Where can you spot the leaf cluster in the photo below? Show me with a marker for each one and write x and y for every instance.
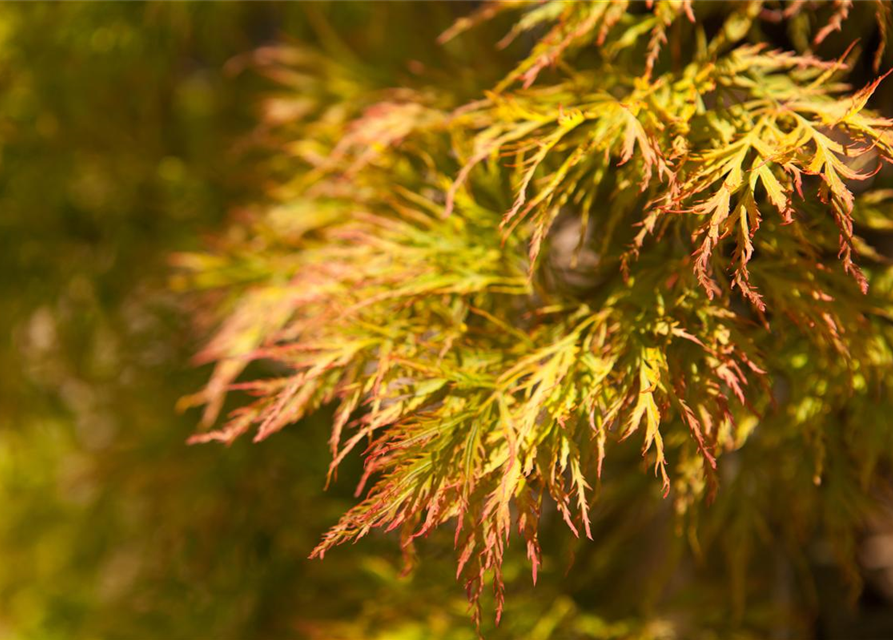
(648, 231)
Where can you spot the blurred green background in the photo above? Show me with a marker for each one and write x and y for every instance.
(125, 137)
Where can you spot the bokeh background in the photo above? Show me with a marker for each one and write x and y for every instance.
(128, 132)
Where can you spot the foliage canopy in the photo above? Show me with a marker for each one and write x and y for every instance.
(656, 228)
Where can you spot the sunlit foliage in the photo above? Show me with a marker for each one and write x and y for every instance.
(432, 336)
(655, 228)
